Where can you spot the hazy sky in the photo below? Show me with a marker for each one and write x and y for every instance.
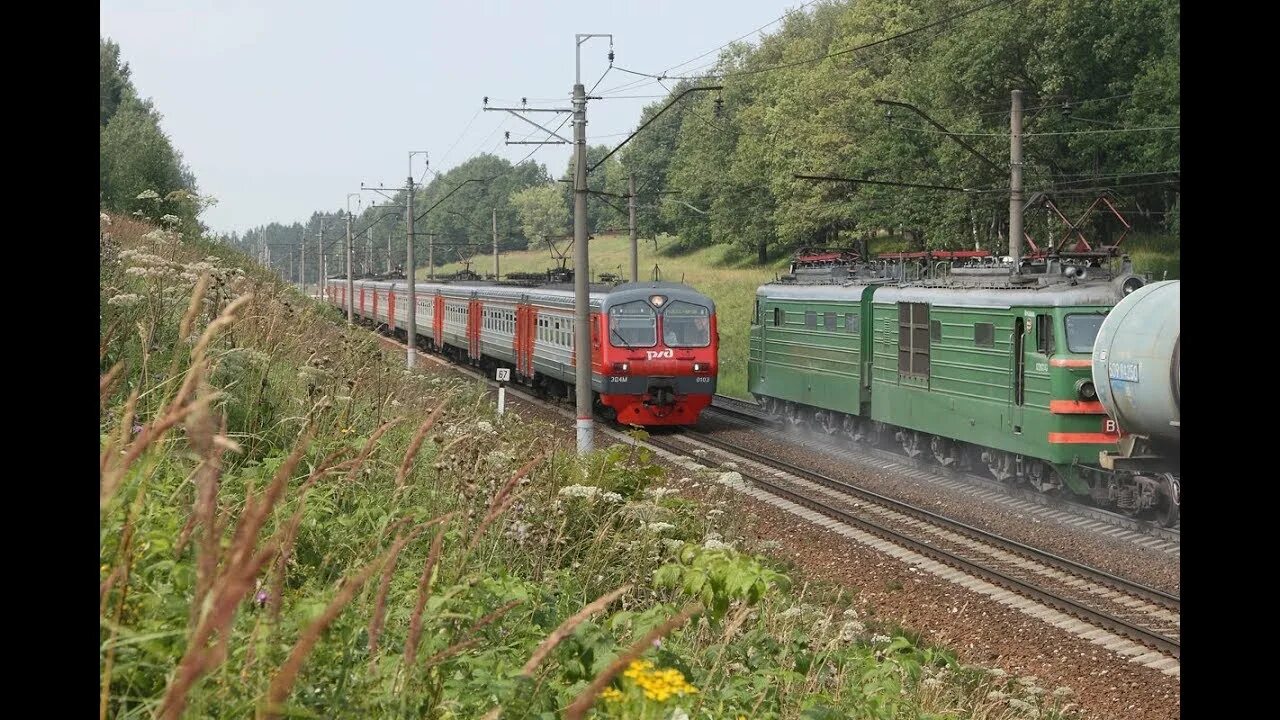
(240, 84)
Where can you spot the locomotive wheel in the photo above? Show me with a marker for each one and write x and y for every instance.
(1170, 501)
(944, 451)
(795, 414)
(851, 427)
(910, 440)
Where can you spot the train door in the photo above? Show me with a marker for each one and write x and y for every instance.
(1019, 373)
(437, 321)
(391, 308)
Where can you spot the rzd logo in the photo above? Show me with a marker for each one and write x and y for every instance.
(660, 353)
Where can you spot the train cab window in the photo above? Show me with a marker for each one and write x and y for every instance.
(1044, 334)
(984, 335)
(829, 321)
(1082, 330)
(913, 339)
(851, 322)
(935, 331)
(810, 319)
(777, 316)
(633, 324)
(756, 318)
(686, 325)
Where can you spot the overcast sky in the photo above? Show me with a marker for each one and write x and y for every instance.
(240, 83)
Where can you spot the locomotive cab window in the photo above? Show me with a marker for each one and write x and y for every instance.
(633, 324)
(913, 339)
(777, 316)
(686, 325)
(756, 318)
(1082, 330)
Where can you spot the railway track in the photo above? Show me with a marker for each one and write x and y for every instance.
(747, 414)
(1091, 599)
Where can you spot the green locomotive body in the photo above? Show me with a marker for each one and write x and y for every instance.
(975, 370)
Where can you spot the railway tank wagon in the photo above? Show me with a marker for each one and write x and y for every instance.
(1137, 369)
(969, 368)
(654, 345)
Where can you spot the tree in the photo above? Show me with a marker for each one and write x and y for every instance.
(543, 216)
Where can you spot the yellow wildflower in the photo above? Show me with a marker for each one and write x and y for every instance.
(611, 695)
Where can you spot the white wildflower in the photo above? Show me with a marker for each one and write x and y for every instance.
(660, 527)
(876, 639)
(995, 695)
(715, 512)
(996, 672)
(579, 491)
(123, 300)
(1024, 706)
(679, 714)
(851, 629)
(850, 613)
(729, 465)
(1063, 691)
(173, 219)
(700, 453)
(712, 544)
(1027, 680)
(932, 682)
(154, 235)
(484, 426)
(659, 492)
(136, 271)
(148, 195)
(672, 543)
(731, 478)
(611, 497)
(104, 218)
(791, 612)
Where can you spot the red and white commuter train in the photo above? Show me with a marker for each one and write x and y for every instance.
(654, 345)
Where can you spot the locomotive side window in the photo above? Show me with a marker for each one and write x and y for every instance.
(686, 325)
(777, 316)
(1044, 334)
(1082, 330)
(913, 339)
(851, 323)
(756, 319)
(829, 321)
(935, 331)
(810, 319)
(984, 335)
(633, 324)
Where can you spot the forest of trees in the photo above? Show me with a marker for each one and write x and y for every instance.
(136, 158)
(1100, 81)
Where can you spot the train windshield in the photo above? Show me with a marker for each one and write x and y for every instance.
(686, 325)
(1082, 330)
(633, 324)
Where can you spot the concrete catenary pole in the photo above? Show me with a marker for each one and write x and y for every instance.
(1015, 181)
(351, 283)
(411, 327)
(495, 243)
(581, 273)
(631, 208)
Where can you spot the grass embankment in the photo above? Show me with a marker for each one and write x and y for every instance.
(292, 524)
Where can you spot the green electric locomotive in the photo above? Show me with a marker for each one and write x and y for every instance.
(954, 357)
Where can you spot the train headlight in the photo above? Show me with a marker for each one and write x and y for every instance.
(701, 367)
(657, 300)
(621, 367)
(1086, 390)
